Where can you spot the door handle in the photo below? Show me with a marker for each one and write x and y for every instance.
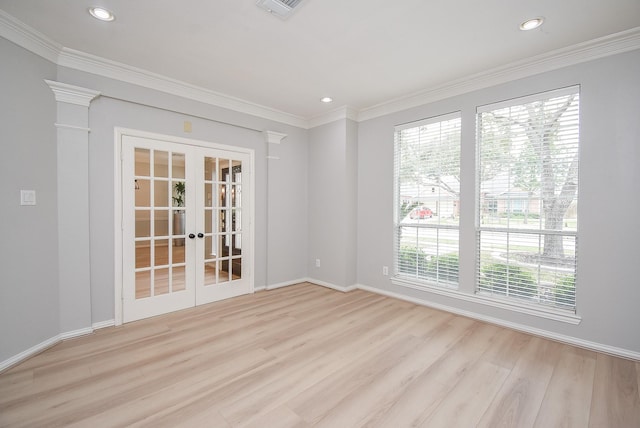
(191, 236)
(200, 235)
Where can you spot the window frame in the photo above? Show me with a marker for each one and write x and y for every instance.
(468, 236)
(418, 281)
(516, 302)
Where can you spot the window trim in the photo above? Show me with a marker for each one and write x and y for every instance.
(464, 291)
(396, 274)
(516, 304)
(547, 312)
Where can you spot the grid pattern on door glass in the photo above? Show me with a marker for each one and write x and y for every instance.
(223, 220)
(160, 212)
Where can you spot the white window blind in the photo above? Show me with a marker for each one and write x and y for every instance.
(427, 201)
(527, 198)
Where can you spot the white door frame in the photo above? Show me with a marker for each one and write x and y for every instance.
(118, 265)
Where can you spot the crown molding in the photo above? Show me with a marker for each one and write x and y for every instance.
(36, 42)
(89, 63)
(344, 112)
(624, 41)
(32, 40)
(24, 36)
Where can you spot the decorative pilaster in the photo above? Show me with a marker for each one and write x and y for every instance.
(272, 137)
(74, 264)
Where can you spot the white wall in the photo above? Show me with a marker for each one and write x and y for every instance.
(29, 311)
(608, 283)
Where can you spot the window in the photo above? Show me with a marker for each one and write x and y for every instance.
(527, 198)
(427, 200)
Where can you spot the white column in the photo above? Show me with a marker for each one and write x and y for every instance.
(272, 139)
(73, 206)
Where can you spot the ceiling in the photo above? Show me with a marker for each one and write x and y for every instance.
(362, 53)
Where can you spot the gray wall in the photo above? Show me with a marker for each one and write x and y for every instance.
(328, 196)
(333, 203)
(278, 190)
(287, 216)
(29, 310)
(608, 284)
(29, 293)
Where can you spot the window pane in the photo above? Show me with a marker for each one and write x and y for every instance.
(427, 171)
(528, 175)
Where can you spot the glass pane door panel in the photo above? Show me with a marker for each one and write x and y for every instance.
(210, 273)
(177, 252)
(143, 224)
(142, 187)
(161, 223)
(161, 250)
(178, 278)
(208, 221)
(161, 281)
(143, 254)
(210, 168)
(160, 189)
(161, 164)
(177, 165)
(208, 195)
(142, 159)
(143, 284)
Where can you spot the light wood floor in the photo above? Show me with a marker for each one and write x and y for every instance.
(309, 356)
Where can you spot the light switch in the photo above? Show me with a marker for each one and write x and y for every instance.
(27, 197)
(187, 126)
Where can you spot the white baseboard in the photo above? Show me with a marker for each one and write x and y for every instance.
(285, 284)
(17, 359)
(75, 333)
(34, 350)
(344, 289)
(103, 324)
(593, 346)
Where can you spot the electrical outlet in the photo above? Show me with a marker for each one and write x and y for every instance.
(385, 270)
(317, 262)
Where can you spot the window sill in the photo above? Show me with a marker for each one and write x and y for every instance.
(496, 302)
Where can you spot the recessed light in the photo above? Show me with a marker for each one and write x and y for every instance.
(531, 24)
(101, 13)
(326, 99)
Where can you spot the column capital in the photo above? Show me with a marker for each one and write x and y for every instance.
(71, 94)
(273, 137)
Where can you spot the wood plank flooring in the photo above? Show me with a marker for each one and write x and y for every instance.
(305, 356)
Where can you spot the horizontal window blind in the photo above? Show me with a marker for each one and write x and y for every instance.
(527, 198)
(427, 200)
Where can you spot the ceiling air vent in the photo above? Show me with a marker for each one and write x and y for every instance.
(280, 8)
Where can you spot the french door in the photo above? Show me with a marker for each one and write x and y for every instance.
(185, 221)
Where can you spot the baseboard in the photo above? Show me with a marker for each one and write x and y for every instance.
(344, 289)
(285, 284)
(103, 324)
(593, 346)
(34, 350)
(75, 333)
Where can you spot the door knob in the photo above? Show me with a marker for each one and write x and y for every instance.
(200, 235)
(191, 236)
